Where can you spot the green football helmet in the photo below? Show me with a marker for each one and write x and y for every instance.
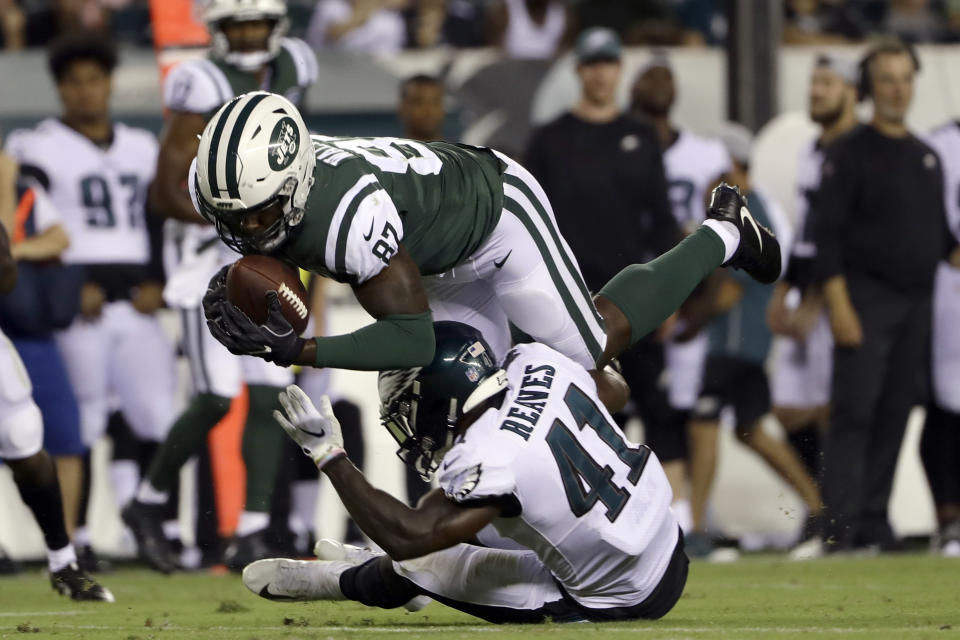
(420, 407)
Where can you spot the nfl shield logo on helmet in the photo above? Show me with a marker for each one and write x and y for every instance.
(472, 375)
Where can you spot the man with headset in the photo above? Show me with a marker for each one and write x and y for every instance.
(878, 225)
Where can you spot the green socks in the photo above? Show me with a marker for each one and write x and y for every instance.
(648, 293)
(186, 438)
(263, 440)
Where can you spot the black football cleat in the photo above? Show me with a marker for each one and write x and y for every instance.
(7, 565)
(74, 582)
(244, 550)
(759, 251)
(145, 521)
(91, 562)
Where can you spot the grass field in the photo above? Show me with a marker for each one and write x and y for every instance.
(910, 596)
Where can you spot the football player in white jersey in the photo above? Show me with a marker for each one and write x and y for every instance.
(940, 445)
(97, 171)
(248, 52)
(21, 433)
(693, 164)
(526, 447)
(803, 350)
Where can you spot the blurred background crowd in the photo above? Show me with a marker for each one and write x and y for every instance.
(390, 25)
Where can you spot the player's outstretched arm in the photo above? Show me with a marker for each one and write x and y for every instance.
(401, 337)
(437, 522)
(168, 196)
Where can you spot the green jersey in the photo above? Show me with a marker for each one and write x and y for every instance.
(440, 200)
(203, 86)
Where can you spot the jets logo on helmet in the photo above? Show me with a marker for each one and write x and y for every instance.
(250, 157)
(284, 144)
(217, 12)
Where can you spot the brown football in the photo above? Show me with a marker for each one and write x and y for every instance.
(251, 277)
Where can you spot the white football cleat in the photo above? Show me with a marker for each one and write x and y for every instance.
(327, 549)
(331, 550)
(295, 580)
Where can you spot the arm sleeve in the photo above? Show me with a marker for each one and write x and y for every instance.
(393, 342)
(471, 482)
(373, 234)
(834, 199)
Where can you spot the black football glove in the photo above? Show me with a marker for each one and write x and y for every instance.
(216, 293)
(275, 340)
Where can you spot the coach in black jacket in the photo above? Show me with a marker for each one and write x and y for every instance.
(603, 172)
(879, 230)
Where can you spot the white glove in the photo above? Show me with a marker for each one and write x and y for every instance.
(317, 432)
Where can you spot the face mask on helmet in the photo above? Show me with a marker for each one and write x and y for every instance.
(240, 235)
(424, 428)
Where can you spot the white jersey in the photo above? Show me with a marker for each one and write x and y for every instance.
(525, 38)
(200, 86)
(692, 163)
(945, 140)
(594, 507)
(946, 299)
(100, 193)
(808, 182)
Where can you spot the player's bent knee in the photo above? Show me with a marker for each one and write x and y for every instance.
(21, 431)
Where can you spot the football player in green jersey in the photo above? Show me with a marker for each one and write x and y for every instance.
(425, 231)
(248, 51)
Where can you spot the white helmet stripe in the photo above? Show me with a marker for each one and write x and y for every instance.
(213, 172)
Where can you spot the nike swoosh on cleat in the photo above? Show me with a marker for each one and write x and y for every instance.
(369, 234)
(744, 217)
(265, 593)
(499, 265)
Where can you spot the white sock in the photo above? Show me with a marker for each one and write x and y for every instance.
(728, 233)
(57, 559)
(303, 502)
(252, 521)
(684, 514)
(81, 536)
(148, 494)
(124, 475)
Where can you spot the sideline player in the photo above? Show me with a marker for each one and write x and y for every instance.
(249, 51)
(387, 215)
(21, 440)
(97, 171)
(525, 446)
(940, 444)
(803, 348)
(692, 163)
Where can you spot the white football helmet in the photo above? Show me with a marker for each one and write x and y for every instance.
(218, 11)
(255, 152)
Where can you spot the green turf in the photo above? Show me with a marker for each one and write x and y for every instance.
(911, 596)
